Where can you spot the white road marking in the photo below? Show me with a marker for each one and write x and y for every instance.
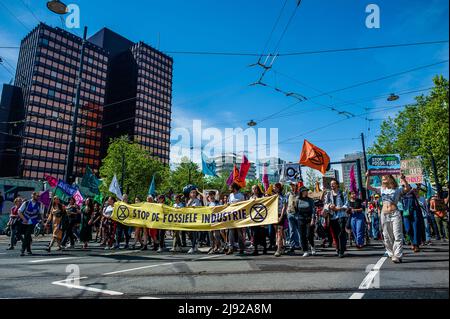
(122, 253)
(139, 268)
(53, 259)
(148, 298)
(367, 282)
(156, 265)
(72, 286)
(357, 295)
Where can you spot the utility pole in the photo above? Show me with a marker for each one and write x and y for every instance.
(68, 174)
(365, 163)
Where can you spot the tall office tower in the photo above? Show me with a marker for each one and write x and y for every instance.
(139, 94)
(47, 69)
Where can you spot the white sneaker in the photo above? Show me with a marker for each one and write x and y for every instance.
(306, 254)
(159, 250)
(313, 251)
(196, 249)
(251, 247)
(191, 251)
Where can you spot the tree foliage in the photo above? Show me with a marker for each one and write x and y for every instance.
(139, 168)
(420, 129)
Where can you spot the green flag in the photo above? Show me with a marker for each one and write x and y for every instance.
(90, 181)
(98, 199)
(61, 195)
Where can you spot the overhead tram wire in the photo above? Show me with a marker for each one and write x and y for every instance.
(13, 15)
(357, 85)
(31, 11)
(287, 54)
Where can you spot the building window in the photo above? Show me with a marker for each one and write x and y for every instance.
(51, 93)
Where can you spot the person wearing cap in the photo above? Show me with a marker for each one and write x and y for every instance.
(306, 211)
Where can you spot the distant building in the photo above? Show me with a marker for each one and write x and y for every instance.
(332, 173)
(226, 162)
(274, 168)
(346, 167)
(12, 114)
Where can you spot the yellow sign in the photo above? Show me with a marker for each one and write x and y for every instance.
(258, 212)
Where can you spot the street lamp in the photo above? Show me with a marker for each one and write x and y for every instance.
(393, 97)
(57, 7)
(252, 123)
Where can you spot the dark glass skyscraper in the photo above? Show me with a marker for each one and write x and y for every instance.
(126, 90)
(47, 73)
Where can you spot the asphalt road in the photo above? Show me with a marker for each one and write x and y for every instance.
(96, 273)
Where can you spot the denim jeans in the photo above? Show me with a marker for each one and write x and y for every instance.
(413, 227)
(294, 240)
(358, 227)
(376, 226)
(427, 229)
(435, 227)
(122, 230)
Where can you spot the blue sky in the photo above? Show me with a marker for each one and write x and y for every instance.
(215, 89)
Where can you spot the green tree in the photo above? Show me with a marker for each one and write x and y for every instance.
(139, 168)
(420, 129)
(311, 178)
(187, 172)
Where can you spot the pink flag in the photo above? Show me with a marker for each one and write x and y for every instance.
(230, 178)
(78, 198)
(265, 178)
(51, 180)
(245, 167)
(353, 187)
(44, 198)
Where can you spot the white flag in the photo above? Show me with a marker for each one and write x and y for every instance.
(291, 173)
(115, 188)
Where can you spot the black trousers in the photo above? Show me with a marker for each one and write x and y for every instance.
(27, 231)
(338, 229)
(259, 236)
(161, 237)
(306, 233)
(69, 235)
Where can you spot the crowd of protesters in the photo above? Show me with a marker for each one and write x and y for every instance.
(397, 215)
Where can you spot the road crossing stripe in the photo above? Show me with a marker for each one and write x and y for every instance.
(367, 282)
(64, 283)
(156, 265)
(53, 259)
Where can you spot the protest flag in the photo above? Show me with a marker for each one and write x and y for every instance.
(314, 157)
(353, 187)
(245, 167)
(152, 187)
(265, 178)
(90, 181)
(52, 181)
(208, 168)
(115, 188)
(237, 178)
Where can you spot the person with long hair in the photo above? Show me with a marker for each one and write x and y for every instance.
(73, 211)
(282, 218)
(259, 232)
(55, 217)
(108, 226)
(306, 211)
(87, 219)
(335, 205)
(357, 219)
(391, 217)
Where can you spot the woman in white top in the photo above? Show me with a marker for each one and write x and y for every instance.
(391, 217)
(108, 225)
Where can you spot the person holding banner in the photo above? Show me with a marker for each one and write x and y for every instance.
(214, 236)
(259, 232)
(177, 244)
(236, 234)
(282, 217)
(161, 233)
(122, 230)
(153, 233)
(194, 202)
(335, 206)
(138, 231)
(108, 226)
(391, 217)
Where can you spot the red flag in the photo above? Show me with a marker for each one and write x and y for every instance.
(237, 179)
(314, 157)
(265, 178)
(245, 167)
